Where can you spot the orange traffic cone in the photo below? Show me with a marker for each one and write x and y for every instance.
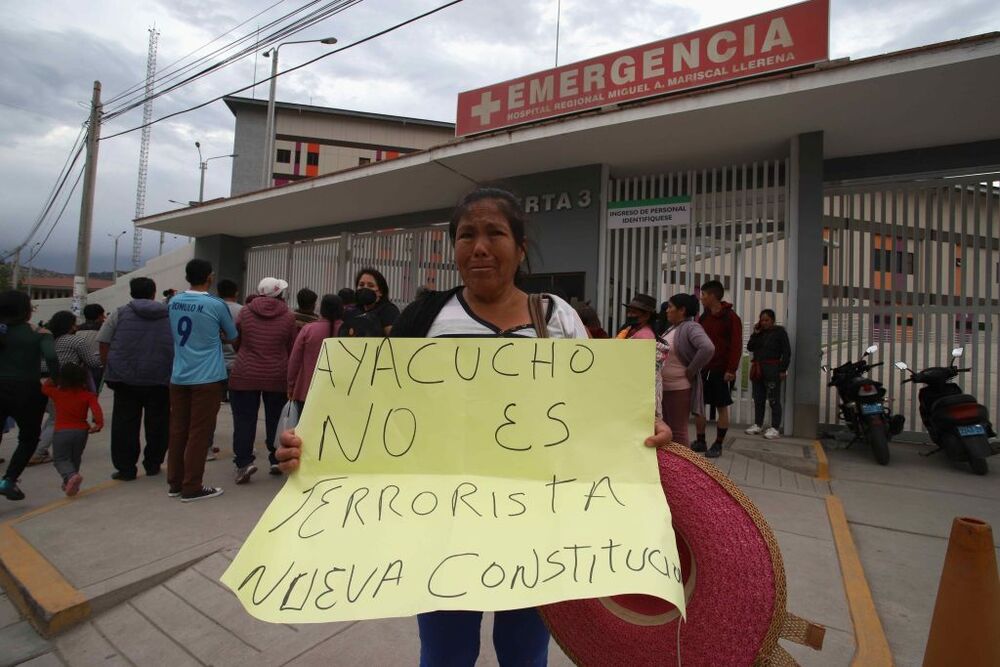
(965, 629)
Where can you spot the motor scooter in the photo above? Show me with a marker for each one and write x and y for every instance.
(863, 407)
(956, 422)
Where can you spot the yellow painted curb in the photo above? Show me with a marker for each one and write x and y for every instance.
(36, 587)
(822, 463)
(872, 647)
(33, 584)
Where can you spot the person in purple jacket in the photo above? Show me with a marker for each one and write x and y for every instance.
(267, 332)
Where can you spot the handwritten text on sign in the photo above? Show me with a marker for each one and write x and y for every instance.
(465, 474)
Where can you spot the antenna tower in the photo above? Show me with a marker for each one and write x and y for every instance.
(147, 116)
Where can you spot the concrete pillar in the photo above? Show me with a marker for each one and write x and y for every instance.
(226, 255)
(804, 295)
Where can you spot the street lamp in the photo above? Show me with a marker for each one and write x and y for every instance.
(116, 237)
(270, 131)
(203, 165)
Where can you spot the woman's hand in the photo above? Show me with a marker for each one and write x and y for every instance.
(289, 451)
(662, 435)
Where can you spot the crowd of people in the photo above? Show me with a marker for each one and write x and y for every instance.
(172, 363)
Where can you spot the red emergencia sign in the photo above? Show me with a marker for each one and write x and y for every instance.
(781, 39)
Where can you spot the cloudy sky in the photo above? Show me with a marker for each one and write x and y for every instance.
(53, 56)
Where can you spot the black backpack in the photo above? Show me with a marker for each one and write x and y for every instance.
(362, 325)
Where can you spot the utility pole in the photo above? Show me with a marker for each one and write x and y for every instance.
(15, 273)
(87, 204)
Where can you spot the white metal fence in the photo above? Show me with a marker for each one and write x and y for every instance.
(915, 267)
(736, 235)
(408, 258)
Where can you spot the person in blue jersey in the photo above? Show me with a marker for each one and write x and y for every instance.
(200, 324)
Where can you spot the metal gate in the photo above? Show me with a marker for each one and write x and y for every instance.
(409, 259)
(736, 235)
(914, 267)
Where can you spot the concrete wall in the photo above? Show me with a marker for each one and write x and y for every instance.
(564, 217)
(166, 271)
(226, 255)
(248, 146)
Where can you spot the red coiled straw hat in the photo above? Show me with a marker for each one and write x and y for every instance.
(734, 582)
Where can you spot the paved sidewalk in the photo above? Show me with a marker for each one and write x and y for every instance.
(900, 516)
(108, 543)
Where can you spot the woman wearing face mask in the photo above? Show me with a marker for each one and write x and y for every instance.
(686, 349)
(768, 368)
(488, 233)
(372, 295)
(639, 318)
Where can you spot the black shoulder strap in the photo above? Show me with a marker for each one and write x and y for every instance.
(416, 319)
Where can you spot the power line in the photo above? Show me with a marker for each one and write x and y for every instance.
(57, 187)
(167, 75)
(142, 84)
(318, 15)
(291, 69)
(58, 217)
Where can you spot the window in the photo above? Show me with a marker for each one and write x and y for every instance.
(892, 261)
(284, 155)
(312, 159)
(363, 161)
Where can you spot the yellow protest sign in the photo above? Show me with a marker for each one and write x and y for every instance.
(479, 474)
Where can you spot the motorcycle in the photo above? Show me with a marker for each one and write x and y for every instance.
(956, 422)
(863, 407)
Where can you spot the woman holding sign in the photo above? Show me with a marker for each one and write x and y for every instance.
(488, 232)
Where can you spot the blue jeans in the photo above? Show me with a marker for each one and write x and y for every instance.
(245, 405)
(451, 638)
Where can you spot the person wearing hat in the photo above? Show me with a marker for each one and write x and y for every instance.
(639, 314)
(267, 332)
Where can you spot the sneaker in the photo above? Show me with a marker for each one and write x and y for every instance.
(206, 492)
(753, 430)
(10, 489)
(715, 451)
(72, 485)
(122, 477)
(699, 446)
(211, 456)
(275, 470)
(172, 493)
(243, 474)
(152, 472)
(772, 433)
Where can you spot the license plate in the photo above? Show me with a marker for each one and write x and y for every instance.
(971, 430)
(871, 408)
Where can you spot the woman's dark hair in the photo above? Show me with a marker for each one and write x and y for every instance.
(587, 315)
(15, 308)
(380, 280)
(306, 299)
(71, 376)
(507, 204)
(689, 302)
(346, 295)
(769, 313)
(62, 323)
(226, 289)
(331, 309)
